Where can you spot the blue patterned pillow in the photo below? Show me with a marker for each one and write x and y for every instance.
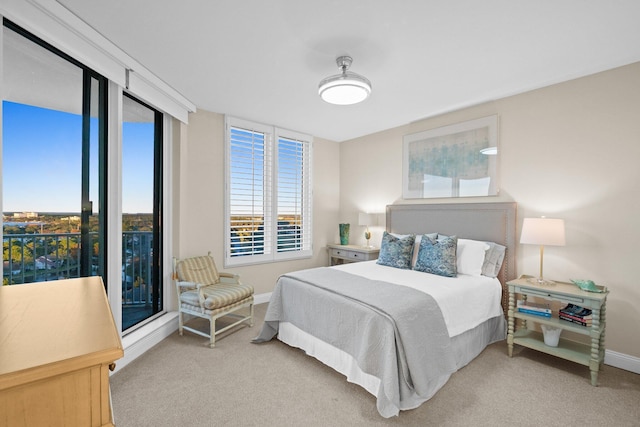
(438, 256)
(396, 252)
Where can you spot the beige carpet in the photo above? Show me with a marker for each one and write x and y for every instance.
(182, 382)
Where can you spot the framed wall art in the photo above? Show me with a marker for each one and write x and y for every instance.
(459, 160)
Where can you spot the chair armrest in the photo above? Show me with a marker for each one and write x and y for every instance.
(229, 277)
(181, 284)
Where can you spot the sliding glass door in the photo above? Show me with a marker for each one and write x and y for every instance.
(54, 178)
(53, 163)
(141, 211)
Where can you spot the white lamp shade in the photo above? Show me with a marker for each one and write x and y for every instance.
(543, 231)
(366, 219)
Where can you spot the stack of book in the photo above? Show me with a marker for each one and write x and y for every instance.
(576, 314)
(537, 309)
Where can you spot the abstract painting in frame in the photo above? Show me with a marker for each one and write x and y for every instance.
(459, 160)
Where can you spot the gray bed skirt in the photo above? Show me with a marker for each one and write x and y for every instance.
(468, 345)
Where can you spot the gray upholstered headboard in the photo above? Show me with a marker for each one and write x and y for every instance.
(495, 222)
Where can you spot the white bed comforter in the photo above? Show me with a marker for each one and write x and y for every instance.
(465, 301)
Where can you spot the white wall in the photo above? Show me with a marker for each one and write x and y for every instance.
(569, 151)
(200, 200)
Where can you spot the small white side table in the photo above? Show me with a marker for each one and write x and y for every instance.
(339, 254)
(591, 355)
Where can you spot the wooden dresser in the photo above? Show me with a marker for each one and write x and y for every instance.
(57, 341)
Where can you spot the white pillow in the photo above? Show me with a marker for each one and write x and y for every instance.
(416, 249)
(471, 255)
(400, 236)
(493, 260)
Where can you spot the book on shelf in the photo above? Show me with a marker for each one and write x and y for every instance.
(537, 309)
(575, 314)
(533, 312)
(575, 320)
(588, 318)
(577, 311)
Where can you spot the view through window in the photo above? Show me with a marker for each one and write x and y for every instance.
(268, 193)
(54, 170)
(52, 146)
(141, 277)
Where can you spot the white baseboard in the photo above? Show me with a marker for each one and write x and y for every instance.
(142, 339)
(622, 361)
(261, 298)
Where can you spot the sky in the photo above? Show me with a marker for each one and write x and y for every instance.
(41, 161)
(42, 154)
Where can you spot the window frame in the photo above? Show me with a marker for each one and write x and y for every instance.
(111, 103)
(90, 98)
(158, 300)
(272, 137)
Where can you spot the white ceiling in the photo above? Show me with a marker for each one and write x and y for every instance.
(262, 60)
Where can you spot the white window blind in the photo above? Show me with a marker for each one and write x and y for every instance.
(293, 195)
(268, 193)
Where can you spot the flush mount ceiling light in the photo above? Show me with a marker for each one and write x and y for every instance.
(345, 88)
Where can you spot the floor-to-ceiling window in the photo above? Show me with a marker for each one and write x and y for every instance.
(53, 163)
(141, 211)
(55, 174)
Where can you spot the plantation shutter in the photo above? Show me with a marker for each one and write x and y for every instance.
(293, 194)
(268, 194)
(248, 195)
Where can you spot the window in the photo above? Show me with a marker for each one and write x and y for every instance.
(268, 193)
(57, 197)
(53, 163)
(141, 211)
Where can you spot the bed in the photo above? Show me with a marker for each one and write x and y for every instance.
(397, 332)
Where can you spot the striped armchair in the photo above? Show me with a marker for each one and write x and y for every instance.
(204, 292)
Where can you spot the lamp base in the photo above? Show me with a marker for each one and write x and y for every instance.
(540, 281)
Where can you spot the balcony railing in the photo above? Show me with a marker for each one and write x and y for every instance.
(29, 258)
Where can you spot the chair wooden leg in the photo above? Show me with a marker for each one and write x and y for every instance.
(180, 322)
(251, 320)
(212, 332)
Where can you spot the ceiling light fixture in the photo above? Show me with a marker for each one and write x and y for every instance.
(345, 88)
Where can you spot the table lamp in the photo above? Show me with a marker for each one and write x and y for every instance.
(542, 231)
(366, 219)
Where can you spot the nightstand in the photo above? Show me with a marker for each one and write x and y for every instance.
(339, 254)
(589, 355)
